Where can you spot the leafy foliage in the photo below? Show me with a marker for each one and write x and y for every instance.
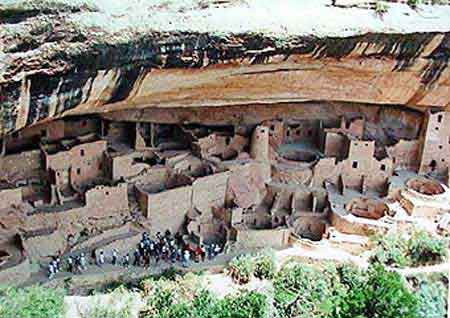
(391, 250)
(31, 302)
(425, 248)
(264, 265)
(241, 269)
(205, 305)
(413, 3)
(303, 291)
(388, 296)
(432, 298)
(381, 8)
(421, 248)
(343, 292)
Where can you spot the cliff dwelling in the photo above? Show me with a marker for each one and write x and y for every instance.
(246, 140)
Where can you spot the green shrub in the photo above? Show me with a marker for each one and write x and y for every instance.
(31, 302)
(106, 312)
(391, 250)
(425, 248)
(420, 248)
(264, 265)
(303, 291)
(205, 305)
(381, 8)
(432, 297)
(351, 299)
(241, 269)
(413, 3)
(245, 305)
(388, 296)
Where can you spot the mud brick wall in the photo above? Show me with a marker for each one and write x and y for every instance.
(263, 238)
(168, 209)
(436, 144)
(103, 200)
(21, 166)
(209, 192)
(10, 197)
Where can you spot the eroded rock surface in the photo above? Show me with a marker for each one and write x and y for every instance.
(77, 58)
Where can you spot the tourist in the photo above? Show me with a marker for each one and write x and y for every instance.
(173, 255)
(70, 265)
(83, 262)
(55, 265)
(126, 260)
(198, 254)
(202, 252)
(186, 258)
(137, 258)
(210, 251)
(217, 249)
(58, 263)
(179, 239)
(51, 270)
(101, 259)
(141, 247)
(164, 252)
(114, 257)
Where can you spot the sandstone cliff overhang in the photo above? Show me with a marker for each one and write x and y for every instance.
(74, 57)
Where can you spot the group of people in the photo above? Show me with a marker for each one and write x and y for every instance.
(164, 248)
(74, 265)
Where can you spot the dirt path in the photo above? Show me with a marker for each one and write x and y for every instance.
(411, 271)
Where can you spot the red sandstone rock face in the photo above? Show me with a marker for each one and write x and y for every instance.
(61, 69)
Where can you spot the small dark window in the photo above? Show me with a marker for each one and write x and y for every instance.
(310, 133)
(272, 127)
(82, 152)
(298, 132)
(58, 174)
(83, 123)
(433, 165)
(355, 164)
(440, 146)
(227, 141)
(78, 171)
(383, 167)
(443, 160)
(437, 128)
(100, 166)
(439, 118)
(288, 133)
(107, 193)
(43, 133)
(393, 159)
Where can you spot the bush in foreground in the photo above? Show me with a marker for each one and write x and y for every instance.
(205, 305)
(241, 269)
(264, 265)
(31, 302)
(425, 248)
(420, 248)
(343, 292)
